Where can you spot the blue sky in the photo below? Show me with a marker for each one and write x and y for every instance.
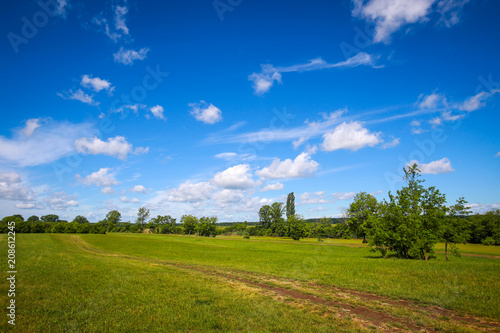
(219, 107)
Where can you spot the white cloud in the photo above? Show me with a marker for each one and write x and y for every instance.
(127, 57)
(209, 114)
(236, 177)
(189, 192)
(498, 154)
(440, 166)
(343, 195)
(352, 136)
(139, 189)
(477, 101)
(157, 111)
(79, 95)
(436, 121)
(96, 83)
(478, 208)
(272, 187)
(31, 126)
(230, 156)
(263, 81)
(313, 198)
(120, 12)
(107, 190)
(391, 144)
(117, 147)
(302, 166)
(12, 188)
(48, 143)
(60, 201)
(228, 196)
(431, 101)
(28, 205)
(125, 199)
(102, 178)
(390, 16)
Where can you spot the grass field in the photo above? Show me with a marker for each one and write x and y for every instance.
(161, 283)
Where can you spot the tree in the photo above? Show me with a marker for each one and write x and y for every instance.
(80, 219)
(290, 205)
(358, 213)
(164, 224)
(410, 223)
(33, 218)
(265, 216)
(206, 227)
(456, 227)
(142, 216)
(50, 218)
(276, 215)
(19, 216)
(296, 228)
(189, 223)
(112, 219)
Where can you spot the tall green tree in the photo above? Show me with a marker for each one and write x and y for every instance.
(142, 216)
(265, 216)
(409, 224)
(33, 218)
(112, 219)
(290, 205)
(277, 221)
(358, 213)
(189, 223)
(206, 227)
(50, 218)
(80, 219)
(456, 227)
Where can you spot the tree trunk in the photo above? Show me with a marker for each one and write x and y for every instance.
(364, 239)
(446, 250)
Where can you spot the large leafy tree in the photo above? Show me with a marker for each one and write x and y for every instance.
(207, 226)
(409, 224)
(142, 216)
(112, 219)
(50, 218)
(290, 205)
(276, 214)
(80, 219)
(359, 212)
(456, 227)
(265, 216)
(189, 223)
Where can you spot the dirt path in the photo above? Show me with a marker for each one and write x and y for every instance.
(368, 310)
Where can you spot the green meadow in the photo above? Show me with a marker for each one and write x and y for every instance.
(161, 283)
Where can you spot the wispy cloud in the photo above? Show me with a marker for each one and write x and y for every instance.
(390, 16)
(79, 95)
(127, 57)
(263, 81)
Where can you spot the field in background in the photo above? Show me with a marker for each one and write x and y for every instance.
(134, 282)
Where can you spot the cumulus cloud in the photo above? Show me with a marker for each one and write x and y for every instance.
(125, 199)
(60, 201)
(117, 147)
(436, 167)
(95, 83)
(47, 144)
(29, 205)
(302, 166)
(207, 113)
(157, 111)
(127, 57)
(12, 188)
(107, 190)
(228, 196)
(79, 95)
(236, 177)
(263, 81)
(189, 192)
(273, 187)
(390, 16)
(102, 178)
(352, 136)
(139, 189)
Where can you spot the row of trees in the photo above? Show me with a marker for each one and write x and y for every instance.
(412, 221)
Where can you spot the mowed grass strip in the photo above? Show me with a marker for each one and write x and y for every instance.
(469, 285)
(61, 288)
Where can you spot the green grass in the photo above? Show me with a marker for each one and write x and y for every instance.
(131, 288)
(468, 284)
(63, 289)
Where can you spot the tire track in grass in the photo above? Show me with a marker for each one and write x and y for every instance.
(369, 309)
